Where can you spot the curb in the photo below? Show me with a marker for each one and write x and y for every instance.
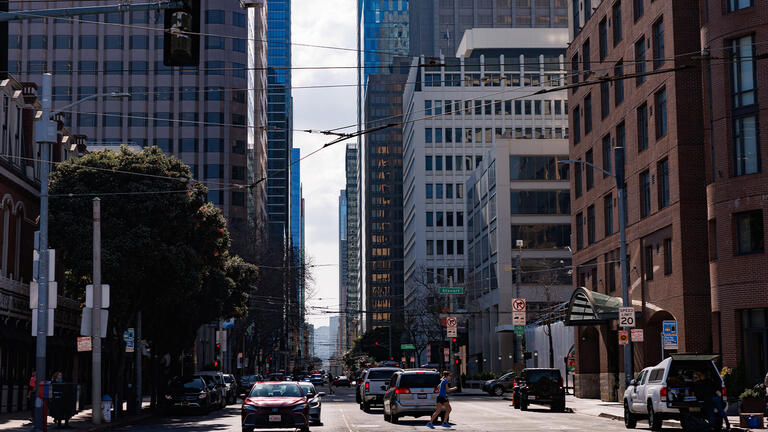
(118, 424)
(611, 416)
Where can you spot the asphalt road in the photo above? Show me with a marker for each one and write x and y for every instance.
(341, 414)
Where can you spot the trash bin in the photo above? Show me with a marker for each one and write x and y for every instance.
(106, 409)
(62, 405)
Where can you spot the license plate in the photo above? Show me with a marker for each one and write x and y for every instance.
(531, 397)
(695, 409)
(185, 403)
(275, 418)
(422, 396)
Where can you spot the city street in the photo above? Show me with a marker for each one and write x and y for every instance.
(341, 413)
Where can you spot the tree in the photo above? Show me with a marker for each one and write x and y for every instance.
(422, 323)
(164, 247)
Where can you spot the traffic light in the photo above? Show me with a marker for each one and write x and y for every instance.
(453, 340)
(377, 343)
(458, 361)
(181, 44)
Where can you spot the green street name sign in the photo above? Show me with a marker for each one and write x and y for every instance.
(519, 330)
(452, 290)
(407, 346)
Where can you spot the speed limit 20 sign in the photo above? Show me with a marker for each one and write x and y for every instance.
(626, 317)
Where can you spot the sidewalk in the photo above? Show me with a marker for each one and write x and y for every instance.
(19, 421)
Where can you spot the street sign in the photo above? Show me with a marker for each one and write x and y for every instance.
(518, 305)
(627, 317)
(221, 336)
(104, 296)
(451, 290)
(52, 294)
(446, 354)
(451, 332)
(519, 330)
(128, 337)
(86, 328)
(429, 353)
(450, 322)
(637, 335)
(407, 347)
(518, 318)
(84, 344)
(669, 334)
(34, 322)
(623, 337)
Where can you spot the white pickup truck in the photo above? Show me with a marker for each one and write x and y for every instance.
(373, 385)
(668, 391)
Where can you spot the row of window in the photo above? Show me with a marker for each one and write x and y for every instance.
(435, 247)
(160, 93)
(116, 42)
(495, 107)
(140, 119)
(135, 67)
(439, 219)
(462, 162)
(436, 191)
(443, 276)
(487, 135)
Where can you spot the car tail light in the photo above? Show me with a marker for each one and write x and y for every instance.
(561, 383)
(724, 393)
(663, 394)
(514, 383)
(367, 386)
(399, 390)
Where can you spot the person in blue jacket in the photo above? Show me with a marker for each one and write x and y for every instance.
(442, 401)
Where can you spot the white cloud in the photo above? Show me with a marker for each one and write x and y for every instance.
(331, 23)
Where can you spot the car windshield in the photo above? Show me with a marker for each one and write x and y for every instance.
(380, 374)
(187, 385)
(308, 388)
(508, 376)
(419, 380)
(542, 376)
(228, 379)
(276, 390)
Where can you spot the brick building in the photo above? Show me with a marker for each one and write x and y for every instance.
(734, 33)
(656, 116)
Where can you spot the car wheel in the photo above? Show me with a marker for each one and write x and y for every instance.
(387, 417)
(654, 420)
(366, 407)
(357, 397)
(394, 418)
(523, 406)
(498, 391)
(630, 421)
(304, 429)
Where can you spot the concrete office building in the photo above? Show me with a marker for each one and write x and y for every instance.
(455, 113)
(437, 26)
(204, 116)
(657, 118)
(354, 297)
(344, 340)
(518, 193)
(736, 180)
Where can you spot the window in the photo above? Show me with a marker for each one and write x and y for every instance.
(113, 42)
(163, 118)
(87, 67)
(617, 23)
(588, 114)
(603, 38)
(428, 163)
(591, 224)
(213, 171)
(658, 43)
(140, 17)
(428, 135)
(214, 145)
(238, 198)
(618, 85)
(112, 119)
(215, 42)
(577, 178)
(640, 61)
(137, 119)
(214, 17)
(37, 42)
(743, 72)
(648, 258)
(746, 150)
(667, 256)
(439, 219)
(113, 18)
(139, 42)
(642, 127)
(238, 19)
(579, 231)
(86, 120)
(188, 145)
(459, 219)
(449, 190)
(712, 234)
(660, 99)
(605, 99)
(164, 144)
(639, 9)
(439, 191)
(536, 168)
(88, 42)
(645, 194)
(214, 68)
(749, 232)
(734, 5)
(238, 45)
(62, 42)
(428, 190)
(608, 214)
(606, 154)
(138, 67)
(164, 93)
(438, 163)
(540, 202)
(585, 59)
(576, 125)
(188, 93)
(574, 67)
(113, 67)
(589, 159)
(62, 67)
(662, 173)
(430, 219)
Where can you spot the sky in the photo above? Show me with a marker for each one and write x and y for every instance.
(330, 23)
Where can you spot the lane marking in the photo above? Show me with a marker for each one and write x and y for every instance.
(349, 428)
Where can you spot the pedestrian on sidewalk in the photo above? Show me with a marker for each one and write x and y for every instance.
(330, 383)
(31, 395)
(442, 401)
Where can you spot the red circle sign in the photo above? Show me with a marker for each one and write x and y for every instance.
(518, 305)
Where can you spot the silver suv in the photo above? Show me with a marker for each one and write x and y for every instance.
(411, 393)
(373, 385)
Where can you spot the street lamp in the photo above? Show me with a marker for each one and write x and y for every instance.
(618, 175)
(46, 135)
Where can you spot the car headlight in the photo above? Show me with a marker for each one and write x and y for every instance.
(314, 403)
(168, 397)
(202, 396)
(300, 407)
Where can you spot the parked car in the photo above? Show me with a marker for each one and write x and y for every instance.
(669, 391)
(341, 381)
(411, 393)
(374, 385)
(231, 386)
(275, 405)
(317, 379)
(541, 386)
(289, 378)
(277, 376)
(245, 383)
(218, 380)
(501, 385)
(315, 401)
(216, 400)
(189, 392)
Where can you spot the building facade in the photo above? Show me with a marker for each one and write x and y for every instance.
(656, 116)
(199, 115)
(736, 182)
(344, 340)
(519, 192)
(437, 26)
(454, 114)
(355, 317)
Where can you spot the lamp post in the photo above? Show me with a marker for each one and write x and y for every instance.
(46, 135)
(618, 175)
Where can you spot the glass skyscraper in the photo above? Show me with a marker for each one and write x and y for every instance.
(279, 118)
(296, 212)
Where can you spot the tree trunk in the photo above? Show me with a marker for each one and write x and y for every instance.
(551, 346)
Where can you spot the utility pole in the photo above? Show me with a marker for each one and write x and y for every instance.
(96, 317)
(45, 130)
(139, 347)
(618, 156)
(518, 339)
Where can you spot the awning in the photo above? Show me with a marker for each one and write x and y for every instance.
(589, 308)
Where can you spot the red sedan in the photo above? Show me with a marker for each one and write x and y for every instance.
(275, 405)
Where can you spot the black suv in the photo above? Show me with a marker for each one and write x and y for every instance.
(539, 386)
